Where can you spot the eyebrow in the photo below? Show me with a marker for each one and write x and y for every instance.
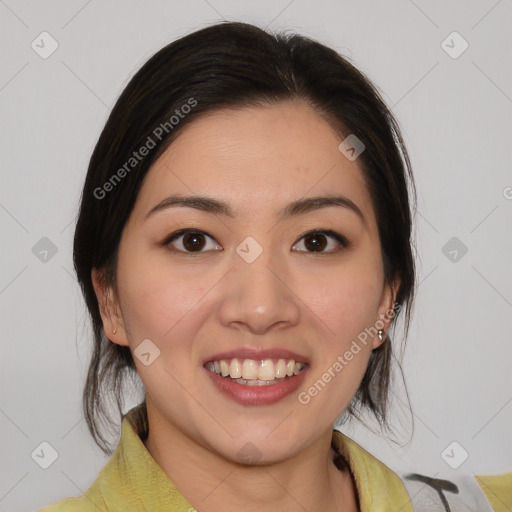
(298, 207)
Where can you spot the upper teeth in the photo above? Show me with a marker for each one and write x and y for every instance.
(251, 369)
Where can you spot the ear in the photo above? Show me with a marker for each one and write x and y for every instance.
(109, 308)
(386, 311)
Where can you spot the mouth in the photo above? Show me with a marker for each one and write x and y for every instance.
(261, 378)
(252, 372)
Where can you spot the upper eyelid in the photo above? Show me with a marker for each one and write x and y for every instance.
(182, 232)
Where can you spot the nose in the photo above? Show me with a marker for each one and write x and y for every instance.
(258, 296)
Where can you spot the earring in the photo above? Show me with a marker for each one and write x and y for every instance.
(380, 333)
(114, 331)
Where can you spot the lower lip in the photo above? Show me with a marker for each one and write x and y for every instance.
(257, 395)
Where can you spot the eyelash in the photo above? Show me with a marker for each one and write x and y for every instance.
(342, 240)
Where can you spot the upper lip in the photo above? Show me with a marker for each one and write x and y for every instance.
(257, 354)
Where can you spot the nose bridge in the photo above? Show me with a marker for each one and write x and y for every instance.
(256, 282)
(257, 295)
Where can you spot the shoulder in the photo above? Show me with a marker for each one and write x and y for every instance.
(98, 497)
(498, 489)
(94, 499)
(129, 476)
(378, 485)
(81, 504)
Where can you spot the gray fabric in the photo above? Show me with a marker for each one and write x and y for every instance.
(449, 492)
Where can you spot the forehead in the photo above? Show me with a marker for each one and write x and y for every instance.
(257, 159)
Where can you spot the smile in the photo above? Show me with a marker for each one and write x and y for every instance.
(256, 382)
(250, 372)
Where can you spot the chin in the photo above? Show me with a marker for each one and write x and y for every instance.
(257, 452)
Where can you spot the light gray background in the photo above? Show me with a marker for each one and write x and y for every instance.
(455, 114)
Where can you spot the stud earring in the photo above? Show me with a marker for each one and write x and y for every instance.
(114, 331)
(380, 333)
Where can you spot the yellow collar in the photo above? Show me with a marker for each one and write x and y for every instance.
(378, 487)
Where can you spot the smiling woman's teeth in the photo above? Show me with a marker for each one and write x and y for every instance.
(255, 373)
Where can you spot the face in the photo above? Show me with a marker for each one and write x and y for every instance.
(246, 281)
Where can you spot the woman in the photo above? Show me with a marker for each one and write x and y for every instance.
(244, 247)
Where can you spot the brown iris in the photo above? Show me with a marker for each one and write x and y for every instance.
(193, 241)
(315, 242)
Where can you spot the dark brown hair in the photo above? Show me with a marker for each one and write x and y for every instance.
(233, 64)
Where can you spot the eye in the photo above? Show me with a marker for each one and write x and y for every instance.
(190, 241)
(317, 240)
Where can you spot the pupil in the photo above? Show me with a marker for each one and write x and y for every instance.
(318, 242)
(193, 241)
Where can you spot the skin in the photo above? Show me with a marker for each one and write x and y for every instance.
(193, 305)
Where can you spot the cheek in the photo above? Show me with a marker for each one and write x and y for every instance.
(155, 297)
(345, 299)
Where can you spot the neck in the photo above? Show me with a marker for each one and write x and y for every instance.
(308, 480)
